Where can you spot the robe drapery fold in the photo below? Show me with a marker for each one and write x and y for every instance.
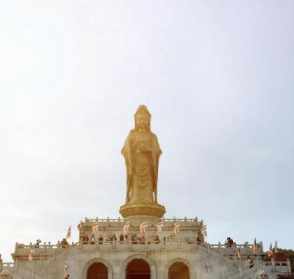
(141, 152)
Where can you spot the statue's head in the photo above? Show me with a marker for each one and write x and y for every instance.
(142, 118)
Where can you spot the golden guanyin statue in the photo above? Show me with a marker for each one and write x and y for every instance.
(141, 152)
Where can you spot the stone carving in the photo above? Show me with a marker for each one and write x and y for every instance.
(126, 229)
(142, 228)
(176, 228)
(141, 152)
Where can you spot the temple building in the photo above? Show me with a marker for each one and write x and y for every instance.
(141, 244)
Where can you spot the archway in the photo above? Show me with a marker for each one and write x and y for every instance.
(178, 270)
(97, 271)
(138, 269)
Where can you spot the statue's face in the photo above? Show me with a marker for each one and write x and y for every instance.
(142, 122)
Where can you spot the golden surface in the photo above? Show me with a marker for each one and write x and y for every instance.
(141, 152)
(155, 210)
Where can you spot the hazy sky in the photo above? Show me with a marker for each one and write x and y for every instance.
(218, 78)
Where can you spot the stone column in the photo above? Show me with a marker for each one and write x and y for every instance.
(194, 273)
(161, 272)
(153, 272)
(117, 273)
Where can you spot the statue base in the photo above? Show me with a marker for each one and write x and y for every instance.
(142, 212)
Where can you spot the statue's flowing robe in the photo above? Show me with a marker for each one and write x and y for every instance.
(129, 152)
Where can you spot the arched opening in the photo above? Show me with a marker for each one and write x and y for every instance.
(178, 270)
(97, 271)
(138, 269)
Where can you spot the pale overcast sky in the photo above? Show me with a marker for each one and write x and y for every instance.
(218, 78)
